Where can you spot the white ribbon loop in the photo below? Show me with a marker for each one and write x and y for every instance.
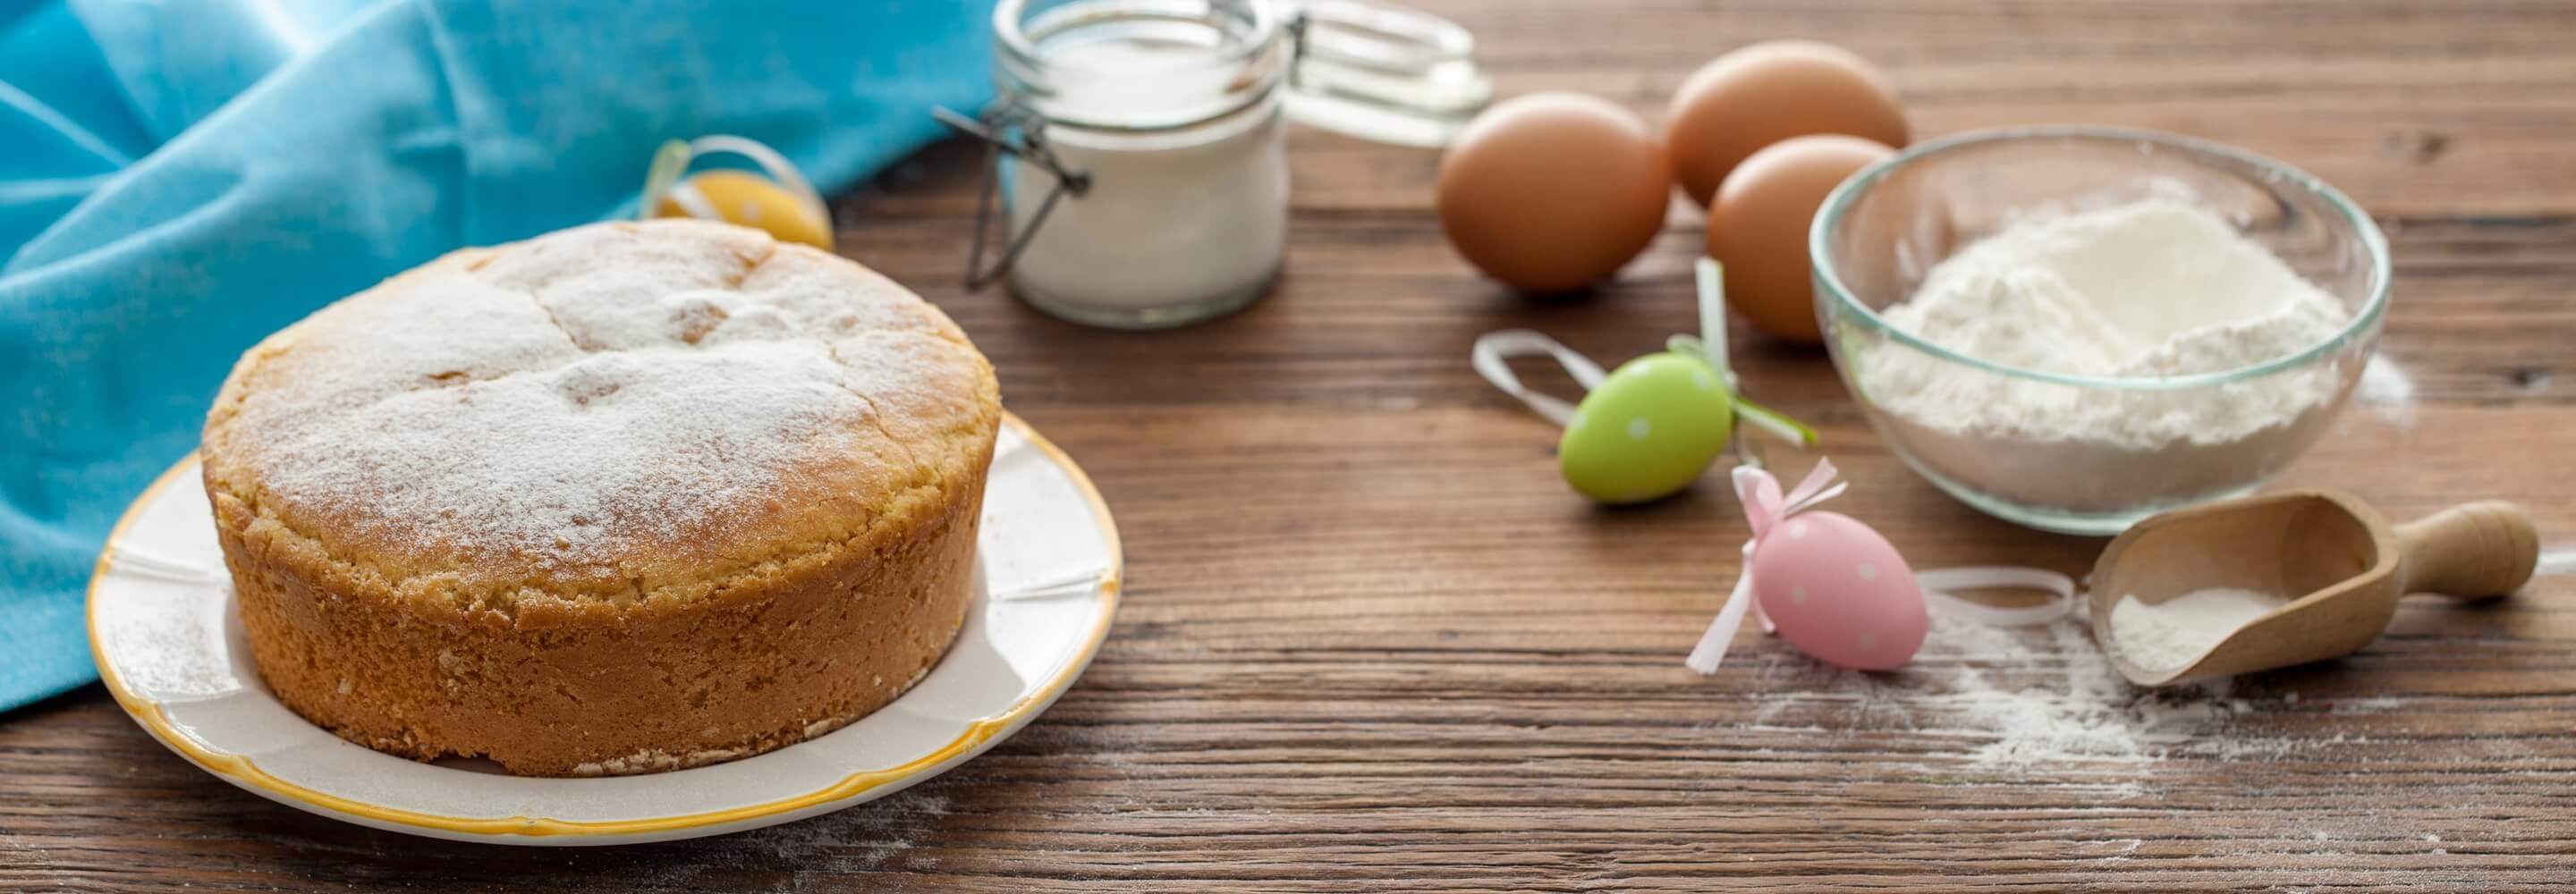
(1494, 349)
(1940, 586)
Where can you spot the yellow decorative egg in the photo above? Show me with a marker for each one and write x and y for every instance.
(748, 199)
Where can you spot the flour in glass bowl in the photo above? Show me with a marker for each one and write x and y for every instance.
(2151, 289)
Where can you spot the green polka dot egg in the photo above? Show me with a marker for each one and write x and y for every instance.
(1648, 430)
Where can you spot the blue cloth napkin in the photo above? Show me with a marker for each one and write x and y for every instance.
(179, 178)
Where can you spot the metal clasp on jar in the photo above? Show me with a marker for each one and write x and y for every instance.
(1014, 132)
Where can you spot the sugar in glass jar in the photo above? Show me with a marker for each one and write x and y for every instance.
(1140, 168)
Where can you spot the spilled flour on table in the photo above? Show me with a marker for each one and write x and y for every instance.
(2388, 390)
(2070, 705)
(2035, 726)
(2013, 700)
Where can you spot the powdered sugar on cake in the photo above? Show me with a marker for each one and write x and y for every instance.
(559, 461)
(563, 399)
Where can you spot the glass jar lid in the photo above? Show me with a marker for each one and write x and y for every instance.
(1370, 70)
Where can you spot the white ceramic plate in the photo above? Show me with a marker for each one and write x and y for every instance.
(169, 644)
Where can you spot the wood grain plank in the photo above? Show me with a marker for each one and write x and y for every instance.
(1371, 643)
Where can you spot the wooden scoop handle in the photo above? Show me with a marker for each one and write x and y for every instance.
(2469, 551)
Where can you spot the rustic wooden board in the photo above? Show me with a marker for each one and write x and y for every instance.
(1370, 643)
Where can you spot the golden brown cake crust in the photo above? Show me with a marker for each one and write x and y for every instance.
(623, 498)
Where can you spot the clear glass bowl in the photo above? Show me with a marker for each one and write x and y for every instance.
(1879, 233)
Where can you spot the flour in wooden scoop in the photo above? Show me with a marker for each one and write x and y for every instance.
(2170, 635)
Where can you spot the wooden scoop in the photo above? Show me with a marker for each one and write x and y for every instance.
(2338, 560)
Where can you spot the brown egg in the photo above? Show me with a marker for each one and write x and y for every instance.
(1757, 227)
(1768, 92)
(1551, 192)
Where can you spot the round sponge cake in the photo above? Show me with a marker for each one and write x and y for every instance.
(623, 498)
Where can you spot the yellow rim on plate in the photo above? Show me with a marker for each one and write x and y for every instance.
(243, 771)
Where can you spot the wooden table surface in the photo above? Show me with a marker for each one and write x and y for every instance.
(1370, 642)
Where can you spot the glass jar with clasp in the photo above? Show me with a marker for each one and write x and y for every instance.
(1138, 161)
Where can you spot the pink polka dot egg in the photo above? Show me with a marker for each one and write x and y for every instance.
(1838, 591)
